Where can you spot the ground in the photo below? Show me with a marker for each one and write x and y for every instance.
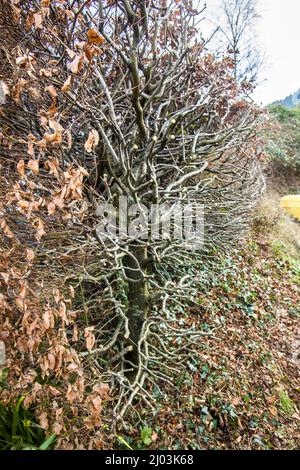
(241, 386)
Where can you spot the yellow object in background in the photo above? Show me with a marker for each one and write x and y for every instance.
(291, 204)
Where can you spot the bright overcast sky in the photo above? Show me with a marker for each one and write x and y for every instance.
(279, 35)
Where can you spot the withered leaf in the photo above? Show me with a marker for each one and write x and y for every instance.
(66, 86)
(76, 64)
(90, 338)
(33, 165)
(89, 51)
(54, 391)
(38, 20)
(53, 165)
(52, 91)
(43, 420)
(45, 73)
(21, 168)
(4, 91)
(16, 13)
(17, 90)
(71, 53)
(23, 204)
(29, 21)
(94, 37)
(39, 227)
(69, 139)
(56, 137)
(51, 208)
(92, 141)
(30, 254)
(6, 229)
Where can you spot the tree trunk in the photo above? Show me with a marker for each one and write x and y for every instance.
(137, 304)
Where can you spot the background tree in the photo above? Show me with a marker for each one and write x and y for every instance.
(108, 99)
(237, 26)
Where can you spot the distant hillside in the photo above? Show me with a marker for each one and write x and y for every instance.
(291, 101)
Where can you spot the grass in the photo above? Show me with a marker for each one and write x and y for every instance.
(287, 405)
(285, 115)
(19, 431)
(281, 231)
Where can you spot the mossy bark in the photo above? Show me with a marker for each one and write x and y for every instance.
(137, 304)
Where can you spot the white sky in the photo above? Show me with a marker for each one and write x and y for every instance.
(278, 33)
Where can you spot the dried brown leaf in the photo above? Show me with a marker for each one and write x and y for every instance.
(33, 165)
(94, 37)
(90, 338)
(30, 254)
(92, 141)
(21, 168)
(66, 86)
(43, 419)
(76, 64)
(52, 91)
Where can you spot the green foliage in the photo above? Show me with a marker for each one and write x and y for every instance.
(287, 405)
(123, 442)
(18, 430)
(283, 141)
(285, 115)
(146, 434)
(142, 440)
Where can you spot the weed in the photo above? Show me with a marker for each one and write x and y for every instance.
(287, 405)
(19, 431)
